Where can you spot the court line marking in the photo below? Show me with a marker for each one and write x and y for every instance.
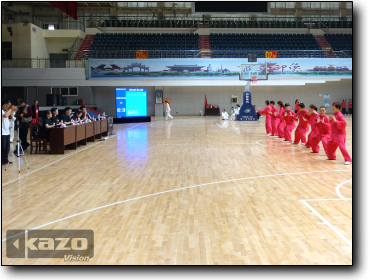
(189, 187)
(109, 136)
(291, 145)
(219, 125)
(324, 221)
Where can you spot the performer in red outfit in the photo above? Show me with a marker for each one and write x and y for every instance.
(281, 125)
(268, 117)
(296, 109)
(350, 107)
(312, 115)
(338, 135)
(289, 117)
(302, 128)
(322, 124)
(344, 112)
(275, 120)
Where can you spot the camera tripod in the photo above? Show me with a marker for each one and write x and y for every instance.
(20, 151)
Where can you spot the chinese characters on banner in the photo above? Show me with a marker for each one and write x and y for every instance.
(141, 54)
(271, 54)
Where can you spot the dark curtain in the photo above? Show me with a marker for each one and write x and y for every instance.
(70, 8)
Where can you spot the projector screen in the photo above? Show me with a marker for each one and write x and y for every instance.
(130, 102)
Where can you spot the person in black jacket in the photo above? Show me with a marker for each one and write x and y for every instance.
(85, 115)
(47, 124)
(77, 116)
(66, 117)
(54, 117)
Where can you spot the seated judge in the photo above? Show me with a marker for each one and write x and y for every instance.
(85, 115)
(225, 116)
(54, 116)
(66, 117)
(47, 124)
(77, 116)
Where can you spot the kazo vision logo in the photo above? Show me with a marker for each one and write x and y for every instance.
(71, 245)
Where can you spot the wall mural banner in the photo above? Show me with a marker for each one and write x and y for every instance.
(229, 68)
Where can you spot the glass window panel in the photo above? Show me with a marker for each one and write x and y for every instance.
(152, 4)
(348, 5)
(325, 5)
(273, 5)
(280, 5)
(168, 4)
(142, 4)
(334, 5)
(187, 4)
(306, 5)
(121, 4)
(132, 4)
(290, 5)
(315, 5)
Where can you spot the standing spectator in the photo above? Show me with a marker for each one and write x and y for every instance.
(350, 107)
(11, 126)
(344, 107)
(296, 109)
(35, 111)
(24, 117)
(257, 113)
(6, 112)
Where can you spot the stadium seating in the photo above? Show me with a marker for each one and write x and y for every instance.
(223, 45)
(340, 42)
(223, 23)
(124, 45)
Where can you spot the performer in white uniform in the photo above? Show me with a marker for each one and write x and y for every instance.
(237, 108)
(225, 116)
(232, 114)
(11, 127)
(168, 110)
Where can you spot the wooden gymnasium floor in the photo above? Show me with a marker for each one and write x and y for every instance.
(194, 190)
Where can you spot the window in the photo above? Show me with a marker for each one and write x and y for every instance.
(315, 5)
(51, 27)
(306, 5)
(132, 4)
(273, 5)
(334, 5)
(349, 5)
(65, 91)
(280, 5)
(152, 4)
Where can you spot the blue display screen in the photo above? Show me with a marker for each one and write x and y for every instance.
(130, 102)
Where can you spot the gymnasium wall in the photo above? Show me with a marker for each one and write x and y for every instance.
(21, 39)
(38, 43)
(190, 100)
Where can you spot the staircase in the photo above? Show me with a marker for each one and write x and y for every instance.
(85, 46)
(205, 46)
(324, 45)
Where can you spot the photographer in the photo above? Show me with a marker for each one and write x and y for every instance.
(24, 117)
(6, 112)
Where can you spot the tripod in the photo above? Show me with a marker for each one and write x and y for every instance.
(20, 151)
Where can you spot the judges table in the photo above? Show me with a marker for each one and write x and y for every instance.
(70, 136)
(212, 111)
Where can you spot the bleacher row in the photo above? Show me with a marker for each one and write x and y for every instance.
(226, 45)
(224, 23)
(263, 42)
(144, 41)
(341, 42)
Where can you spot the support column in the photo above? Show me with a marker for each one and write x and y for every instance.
(298, 10)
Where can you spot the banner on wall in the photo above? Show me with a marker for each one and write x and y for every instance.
(229, 68)
(158, 97)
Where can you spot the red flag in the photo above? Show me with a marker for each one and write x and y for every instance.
(205, 102)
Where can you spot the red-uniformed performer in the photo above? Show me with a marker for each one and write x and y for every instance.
(281, 126)
(302, 128)
(312, 115)
(322, 124)
(266, 112)
(338, 135)
(289, 117)
(275, 120)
